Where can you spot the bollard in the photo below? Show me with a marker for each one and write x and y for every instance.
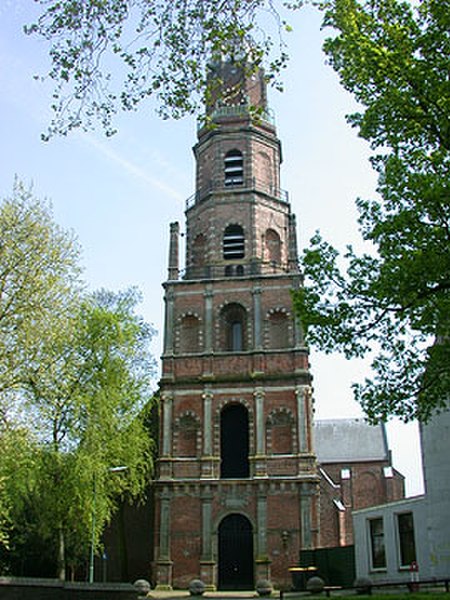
(142, 588)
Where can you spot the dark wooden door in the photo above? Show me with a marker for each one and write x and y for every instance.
(236, 553)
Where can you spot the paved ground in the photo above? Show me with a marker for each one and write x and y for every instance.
(179, 594)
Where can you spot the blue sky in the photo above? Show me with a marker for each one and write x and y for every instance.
(119, 194)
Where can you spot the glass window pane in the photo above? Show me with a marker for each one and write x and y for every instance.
(377, 543)
(406, 539)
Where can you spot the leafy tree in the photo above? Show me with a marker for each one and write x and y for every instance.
(393, 57)
(393, 299)
(39, 286)
(87, 412)
(117, 53)
(75, 373)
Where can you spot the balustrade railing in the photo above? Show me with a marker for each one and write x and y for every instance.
(240, 110)
(235, 270)
(248, 184)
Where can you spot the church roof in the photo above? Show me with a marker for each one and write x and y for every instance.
(349, 440)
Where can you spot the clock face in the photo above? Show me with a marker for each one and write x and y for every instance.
(231, 95)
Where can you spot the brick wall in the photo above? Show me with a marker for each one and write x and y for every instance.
(356, 486)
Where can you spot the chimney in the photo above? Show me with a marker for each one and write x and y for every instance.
(173, 251)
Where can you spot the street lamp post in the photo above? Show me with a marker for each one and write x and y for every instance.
(94, 502)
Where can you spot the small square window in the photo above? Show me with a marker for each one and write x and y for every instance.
(388, 472)
(346, 473)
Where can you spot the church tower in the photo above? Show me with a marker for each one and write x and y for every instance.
(237, 484)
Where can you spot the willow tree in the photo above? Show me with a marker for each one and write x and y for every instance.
(75, 373)
(87, 409)
(39, 289)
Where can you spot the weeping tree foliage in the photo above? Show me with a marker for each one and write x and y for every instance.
(110, 54)
(39, 286)
(75, 373)
(394, 300)
(87, 410)
(39, 289)
(16, 460)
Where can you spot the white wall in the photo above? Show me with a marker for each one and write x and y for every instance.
(435, 438)
(394, 571)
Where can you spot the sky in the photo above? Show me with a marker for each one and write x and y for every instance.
(119, 194)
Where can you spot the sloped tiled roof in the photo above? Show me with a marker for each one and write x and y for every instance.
(349, 440)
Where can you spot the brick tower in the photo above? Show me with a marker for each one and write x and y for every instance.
(237, 485)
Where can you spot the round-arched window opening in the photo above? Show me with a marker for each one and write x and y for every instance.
(233, 320)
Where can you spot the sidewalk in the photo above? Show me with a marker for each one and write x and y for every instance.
(179, 594)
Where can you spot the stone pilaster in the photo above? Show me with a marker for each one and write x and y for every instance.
(257, 327)
(165, 461)
(260, 467)
(164, 563)
(168, 322)
(207, 458)
(303, 393)
(207, 562)
(306, 539)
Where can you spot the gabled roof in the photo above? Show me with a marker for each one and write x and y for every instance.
(349, 440)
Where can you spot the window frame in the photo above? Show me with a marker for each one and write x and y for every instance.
(233, 169)
(400, 535)
(233, 242)
(377, 539)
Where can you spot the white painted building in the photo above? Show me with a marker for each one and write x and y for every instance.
(389, 537)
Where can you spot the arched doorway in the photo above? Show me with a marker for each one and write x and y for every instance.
(236, 553)
(234, 442)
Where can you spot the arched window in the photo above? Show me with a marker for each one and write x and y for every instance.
(233, 322)
(278, 330)
(234, 168)
(189, 334)
(233, 243)
(273, 246)
(234, 442)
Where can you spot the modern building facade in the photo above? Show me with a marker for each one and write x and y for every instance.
(237, 485)
(390, 537)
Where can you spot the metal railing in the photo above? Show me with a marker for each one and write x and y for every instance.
(249, 184)
(239, 110)
(234, 270)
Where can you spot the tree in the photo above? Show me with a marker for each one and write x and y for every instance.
(16, 456)
(392, 56)
(39, 286)
(75, 373)
(117, 53)
(87, 411)
(394, 299)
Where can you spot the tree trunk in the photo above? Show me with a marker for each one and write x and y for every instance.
(61, 559)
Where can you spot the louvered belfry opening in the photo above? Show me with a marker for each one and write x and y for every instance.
(233, 243)
(234, 168)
